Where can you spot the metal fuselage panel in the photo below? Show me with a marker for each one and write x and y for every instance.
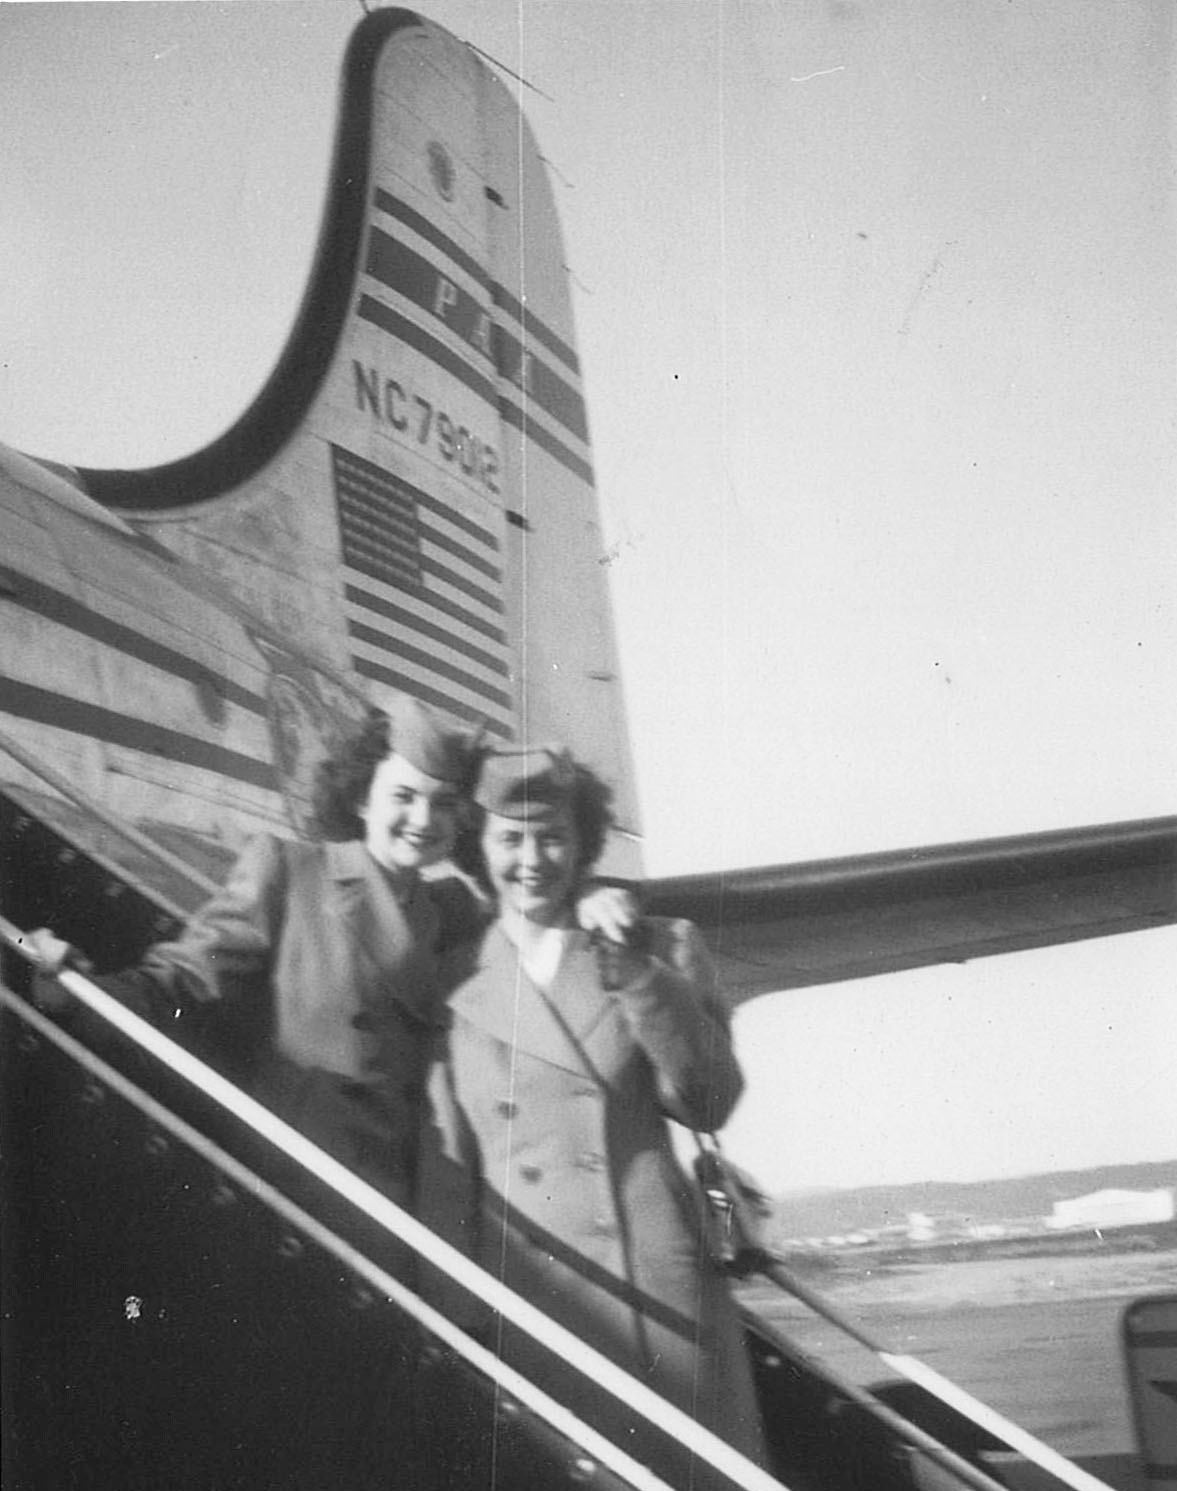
(124, 671)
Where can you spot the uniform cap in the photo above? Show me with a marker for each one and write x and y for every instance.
(525, 784)
(427, 741)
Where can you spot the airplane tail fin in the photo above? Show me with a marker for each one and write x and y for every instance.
(410, 496)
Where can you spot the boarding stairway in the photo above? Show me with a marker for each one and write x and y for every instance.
(197, 1297)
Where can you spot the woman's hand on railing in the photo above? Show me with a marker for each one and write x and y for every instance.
(52, 954)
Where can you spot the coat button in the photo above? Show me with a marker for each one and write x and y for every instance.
(530, 1172)
(506, 1109)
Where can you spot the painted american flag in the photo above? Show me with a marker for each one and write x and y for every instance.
(423, 589)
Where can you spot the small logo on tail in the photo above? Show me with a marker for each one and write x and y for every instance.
(441, 169)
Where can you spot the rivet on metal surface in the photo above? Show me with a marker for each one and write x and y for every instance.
(291, 1246)
(773, 1360)
(223, 1195)
(158, 1145)
(432, 1355)
(582, 1469)
(508, 1409)
(66, 856)
(360, 1298)
(92, 1094)
(113, 889)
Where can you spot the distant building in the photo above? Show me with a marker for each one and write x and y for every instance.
(987, 1231)
(1114, 1209)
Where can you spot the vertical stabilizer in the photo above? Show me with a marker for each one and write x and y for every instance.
(410, 498)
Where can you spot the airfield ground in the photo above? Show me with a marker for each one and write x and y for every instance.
(1037, 1339)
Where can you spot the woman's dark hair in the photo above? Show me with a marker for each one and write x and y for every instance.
(342, 780)
(592, 817)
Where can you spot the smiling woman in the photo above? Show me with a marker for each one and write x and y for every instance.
(410, 817)
(532, 858)
(531, 869)
(567, 1057)
(325, 954)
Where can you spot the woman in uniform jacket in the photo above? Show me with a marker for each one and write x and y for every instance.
(314, 970)
(565, 1063)
(321, 958)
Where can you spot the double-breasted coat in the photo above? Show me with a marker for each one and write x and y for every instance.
(565, 1093)
(333, 982)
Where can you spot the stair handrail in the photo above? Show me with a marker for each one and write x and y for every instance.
(678, 1426)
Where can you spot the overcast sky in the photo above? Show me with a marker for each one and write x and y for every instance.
(877, 308)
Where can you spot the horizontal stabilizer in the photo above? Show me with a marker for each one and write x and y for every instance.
(788, 926)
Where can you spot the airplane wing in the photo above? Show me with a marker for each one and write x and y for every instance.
(787, 926)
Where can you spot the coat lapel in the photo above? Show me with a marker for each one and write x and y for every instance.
(391, 945)
(576, 992)
(502, 1001)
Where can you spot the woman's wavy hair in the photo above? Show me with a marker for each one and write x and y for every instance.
(592, 817)
(342, 780)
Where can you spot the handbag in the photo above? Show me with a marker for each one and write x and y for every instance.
(734, 1211)
(734, 1208)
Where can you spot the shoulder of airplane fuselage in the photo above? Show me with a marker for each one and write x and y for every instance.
(59, 484)
(61, 499)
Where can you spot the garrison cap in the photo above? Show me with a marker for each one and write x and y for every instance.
(427, 741)
(527, 783)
